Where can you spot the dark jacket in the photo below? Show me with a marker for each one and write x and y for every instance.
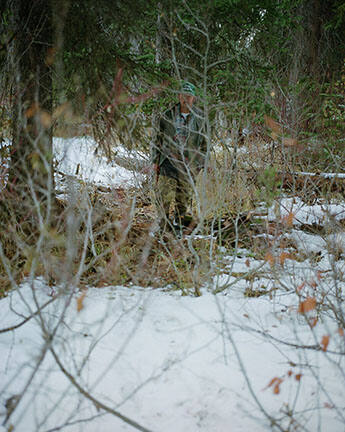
(180, 149)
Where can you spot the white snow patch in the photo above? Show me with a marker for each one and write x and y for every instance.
(319, 214)
(76, 157)
(170, 363)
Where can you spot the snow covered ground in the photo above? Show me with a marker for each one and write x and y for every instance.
(76, 157)
(168, 362)
(301, 213)
(173, 363)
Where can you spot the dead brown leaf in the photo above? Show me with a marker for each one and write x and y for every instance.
(275, 382)
(32, 110)
(324, 342)
(46, 119)
(276, 388)
(273, 125)
(288, 219)
(80, 301)
(270, 259)
(284, 256)
(307, 305)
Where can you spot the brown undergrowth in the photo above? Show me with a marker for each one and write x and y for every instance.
(127, 249)
(103, 238)
(100, 239)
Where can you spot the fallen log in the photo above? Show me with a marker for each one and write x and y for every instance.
(78, 180)
(313, 182)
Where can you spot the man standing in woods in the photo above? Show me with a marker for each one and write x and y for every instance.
(178, 156)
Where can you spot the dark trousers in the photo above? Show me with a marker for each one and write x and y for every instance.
(172, 194)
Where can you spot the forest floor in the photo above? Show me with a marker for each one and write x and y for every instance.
(260, 348)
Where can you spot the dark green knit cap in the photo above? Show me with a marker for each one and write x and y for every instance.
(188, 88)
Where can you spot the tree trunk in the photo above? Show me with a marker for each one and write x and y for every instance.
(305, 64)
(31, 176)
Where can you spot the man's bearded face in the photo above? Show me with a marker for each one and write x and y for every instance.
(186, 99)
